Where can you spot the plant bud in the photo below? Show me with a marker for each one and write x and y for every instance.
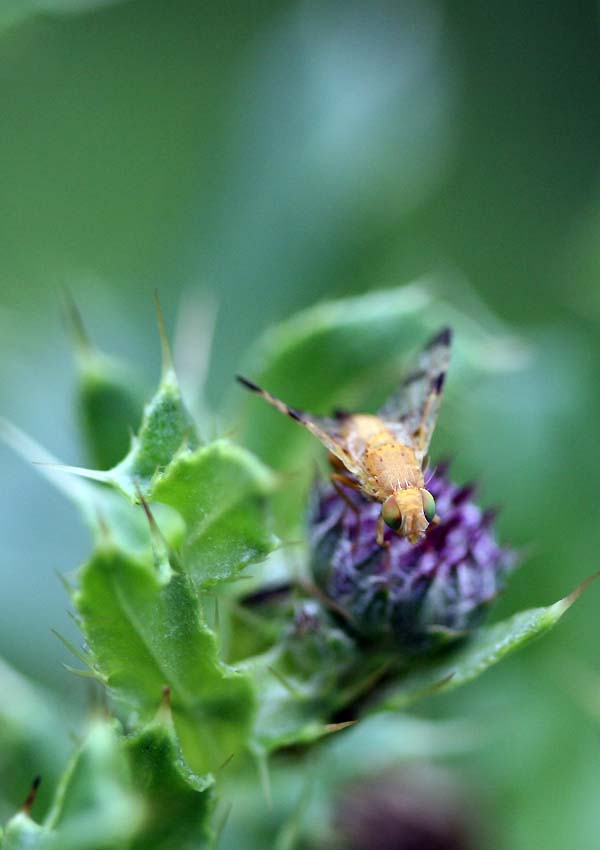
(418, 596)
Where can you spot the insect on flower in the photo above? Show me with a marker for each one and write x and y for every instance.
(384, 455)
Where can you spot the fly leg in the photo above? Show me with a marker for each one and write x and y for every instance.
(339, 482)
(380, 532)
(385, 544)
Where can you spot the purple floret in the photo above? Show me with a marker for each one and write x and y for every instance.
(418, 595)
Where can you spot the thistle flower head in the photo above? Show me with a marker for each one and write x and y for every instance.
(417, 595)
(406, 812)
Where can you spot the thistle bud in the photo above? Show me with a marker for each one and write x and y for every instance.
(418, 596)
(313, 643)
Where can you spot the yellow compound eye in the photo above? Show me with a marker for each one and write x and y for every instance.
(391, 513)
(428, 505)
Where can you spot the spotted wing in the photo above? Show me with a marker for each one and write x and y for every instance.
(413, 409)
(325, 429)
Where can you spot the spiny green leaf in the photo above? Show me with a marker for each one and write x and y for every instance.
(487, 647)
(220, 491)
(109, 399)
(179, 803)
(166, 429)
(109, 408)
(145, 632)
(122, 794)
(72, 648)
(104, 510)
(94, 807)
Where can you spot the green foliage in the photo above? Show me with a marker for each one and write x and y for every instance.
(489, 646)
(178, 802)
(296, 700)
(122, 793)
(174, 524)
(220, 491)
(166, 428)
(101, 508)
(303, 680)
(108, 396)
(109, 405)
(145, 632)
(27, 712)
(108, 409)
(94, 807)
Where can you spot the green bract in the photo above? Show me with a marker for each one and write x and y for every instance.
(489, 646)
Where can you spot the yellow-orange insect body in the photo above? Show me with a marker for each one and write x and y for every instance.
(383, 455)
(391, 468)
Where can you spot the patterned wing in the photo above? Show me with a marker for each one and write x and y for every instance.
(415, 406)
(325, 429)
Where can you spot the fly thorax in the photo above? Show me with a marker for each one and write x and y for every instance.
(393, 466)
(361, 431)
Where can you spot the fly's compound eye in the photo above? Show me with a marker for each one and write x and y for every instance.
(391, 513)
(428, 505)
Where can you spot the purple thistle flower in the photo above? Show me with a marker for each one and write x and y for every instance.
(406, 812)
(418, 595)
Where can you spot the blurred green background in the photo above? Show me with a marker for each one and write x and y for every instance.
(275, 154)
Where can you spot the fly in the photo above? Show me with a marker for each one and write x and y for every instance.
(384, 455)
